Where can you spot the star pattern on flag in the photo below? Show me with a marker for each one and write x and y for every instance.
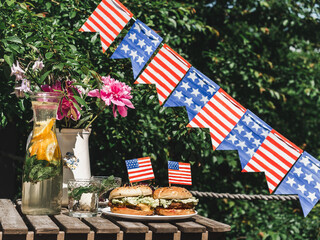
(275, 157)
(138, 45)
(303, 179)
(108, 19)
(220, 114)
(193, 92)
(166, 70)
(139, 169)
(179, 173)
(246, 137)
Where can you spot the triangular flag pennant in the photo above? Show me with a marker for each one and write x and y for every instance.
(139, 169)
(109, 18)
(138, 45)
(246, 137)
(193, 92)
(165, 70)
(220, 115)
(303, 179)
(274, 157)
(179, 173)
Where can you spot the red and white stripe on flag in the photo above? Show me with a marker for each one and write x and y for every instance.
(179, 173)
(165, 70)
(109, 18)
(274, 157)
(139, 169)
(220, 115)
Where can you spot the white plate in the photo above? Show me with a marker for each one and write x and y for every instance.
(107, 212)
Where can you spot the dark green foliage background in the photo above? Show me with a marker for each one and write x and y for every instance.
(265, 54)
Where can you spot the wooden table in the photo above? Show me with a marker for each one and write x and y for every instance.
(15, 225)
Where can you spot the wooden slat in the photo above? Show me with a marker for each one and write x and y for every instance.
(212, 225)
(190, 227)
(30, 235)
(71, 224)
(120, 236)
(11, 221)
(42, 224)
(132, 227)
(162, 227)
(177, 236)
(101, 225)
(148, 235)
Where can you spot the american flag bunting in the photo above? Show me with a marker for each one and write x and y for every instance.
(193, 92)
(165, 70)
(274, 157)
(139, 169)
(109, 18)
(246, 137)
(220, 115)
(179, 173)
(138, 45)
(303, 179)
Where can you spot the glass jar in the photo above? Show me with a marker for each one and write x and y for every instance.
(42, 171)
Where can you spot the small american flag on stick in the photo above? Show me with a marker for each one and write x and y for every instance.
(179, 173)
(139, 169)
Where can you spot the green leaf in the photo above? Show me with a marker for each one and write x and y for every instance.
(44, 76)
(81, 101)
(14, 39)
(49, 55)
(10, 2)
(58, 66)
(72, 14)
(8, 59)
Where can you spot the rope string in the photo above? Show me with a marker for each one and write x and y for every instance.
(245, 196)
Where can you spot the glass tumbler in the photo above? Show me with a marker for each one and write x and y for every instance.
(83, 197)
(107, 183)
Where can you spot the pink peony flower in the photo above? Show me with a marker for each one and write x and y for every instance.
(67, 106)
(116, 93)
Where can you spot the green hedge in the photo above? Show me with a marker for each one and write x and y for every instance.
(265, 54)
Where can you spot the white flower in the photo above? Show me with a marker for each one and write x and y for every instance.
(25, 86)
(17, 71)
(38, 65)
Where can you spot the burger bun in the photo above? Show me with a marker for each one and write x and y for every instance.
(174, 212)
(171, 193)
(128, 191)
(130, 211)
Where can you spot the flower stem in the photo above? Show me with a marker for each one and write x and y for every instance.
(88, 125)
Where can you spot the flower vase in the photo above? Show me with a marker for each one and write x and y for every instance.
(42, 170)
(74, 144)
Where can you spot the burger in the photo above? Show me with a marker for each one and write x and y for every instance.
(174, 201)
(134, 200)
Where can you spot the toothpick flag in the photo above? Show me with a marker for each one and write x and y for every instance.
(220, 115)
(165, 70)
(193, 92)
(109, 18)
(246, 137)
(179, 173)
(139, 169)
(303, 179)
(138, 45)
(274, 157)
